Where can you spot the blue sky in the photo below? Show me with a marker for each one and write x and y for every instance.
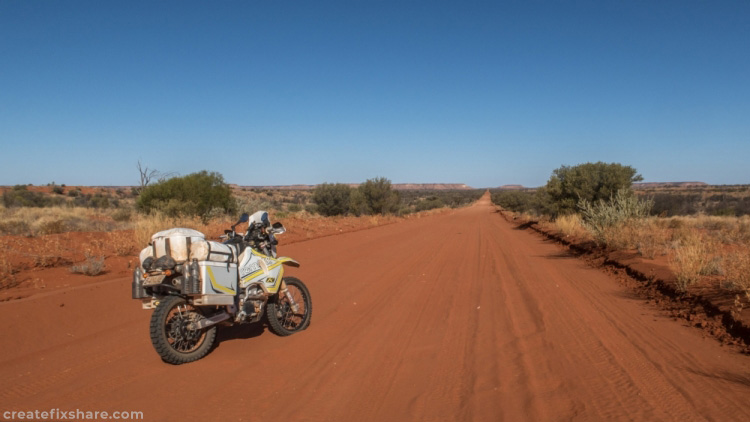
(286, 92)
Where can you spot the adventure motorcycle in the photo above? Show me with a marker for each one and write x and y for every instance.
(193, 284)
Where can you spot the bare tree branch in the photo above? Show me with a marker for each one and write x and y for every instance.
(146, 175)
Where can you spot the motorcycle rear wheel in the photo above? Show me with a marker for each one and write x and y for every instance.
(282, 320)
(172, 339)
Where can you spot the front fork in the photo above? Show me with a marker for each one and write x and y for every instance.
(292, 302)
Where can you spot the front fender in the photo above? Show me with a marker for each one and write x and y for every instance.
(288, 261)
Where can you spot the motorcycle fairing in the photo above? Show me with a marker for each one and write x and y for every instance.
(256, 267)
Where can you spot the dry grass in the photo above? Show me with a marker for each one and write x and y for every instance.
(729, 230)
(725, 248)
(123, 243)
(6, 273)
(689, 260)
(697, 246)
(570, 225)
(51, 254)
(737, 271)
(645, 235)
(14, 226)
(50, 225)
(695, 256)
(51, 220)
(94, 265)
(651, 240)
(620, 237)
(146, 225)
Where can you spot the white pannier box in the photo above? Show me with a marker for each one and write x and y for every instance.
(218, 278)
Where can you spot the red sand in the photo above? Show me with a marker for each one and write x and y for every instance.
(451, 317)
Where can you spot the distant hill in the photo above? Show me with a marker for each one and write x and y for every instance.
(668, 184)
(396, 186)
(284, 187)
(431, 186)
(647, 185)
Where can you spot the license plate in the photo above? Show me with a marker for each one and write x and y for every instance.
(154, 279)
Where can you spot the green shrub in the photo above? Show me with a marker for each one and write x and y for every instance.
(97, 200)
(590, 182)
(452, 198)
(357, 203)
(20, 196)
(429, 204)
(197, 194)
(121, 215)
(404, 210)
(524, 201)
(601, 216)
(517, 201)
(375, 196)
(294, 208)
(332, 199)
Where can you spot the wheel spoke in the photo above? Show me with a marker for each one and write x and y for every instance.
(179, 336)
(291, 311)
(288, 316)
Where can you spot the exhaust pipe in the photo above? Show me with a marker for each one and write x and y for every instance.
(208, 322)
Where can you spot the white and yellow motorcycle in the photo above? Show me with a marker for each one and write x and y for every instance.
(194, 284)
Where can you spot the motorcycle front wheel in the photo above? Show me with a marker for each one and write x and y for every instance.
(282, 319)
(170, 335)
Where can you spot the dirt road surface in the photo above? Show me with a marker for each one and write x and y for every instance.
(454, 317)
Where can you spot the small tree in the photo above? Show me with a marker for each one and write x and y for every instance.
(145, 175)
(590, 181)
(196, 194)
(375, 196)
(332, 199)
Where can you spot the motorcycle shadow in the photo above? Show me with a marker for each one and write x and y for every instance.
(239, 332)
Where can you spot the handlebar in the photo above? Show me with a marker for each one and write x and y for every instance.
(259, 236)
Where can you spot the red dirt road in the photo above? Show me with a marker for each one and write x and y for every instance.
(454, 317)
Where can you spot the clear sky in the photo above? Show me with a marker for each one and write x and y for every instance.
(285, 92)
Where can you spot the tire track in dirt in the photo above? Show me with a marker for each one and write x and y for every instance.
(603, 352)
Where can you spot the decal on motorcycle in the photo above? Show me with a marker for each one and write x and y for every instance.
(218, 288)
(255, 267)
(273, 284)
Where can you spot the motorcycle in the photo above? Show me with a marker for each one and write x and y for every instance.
(193, 285)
